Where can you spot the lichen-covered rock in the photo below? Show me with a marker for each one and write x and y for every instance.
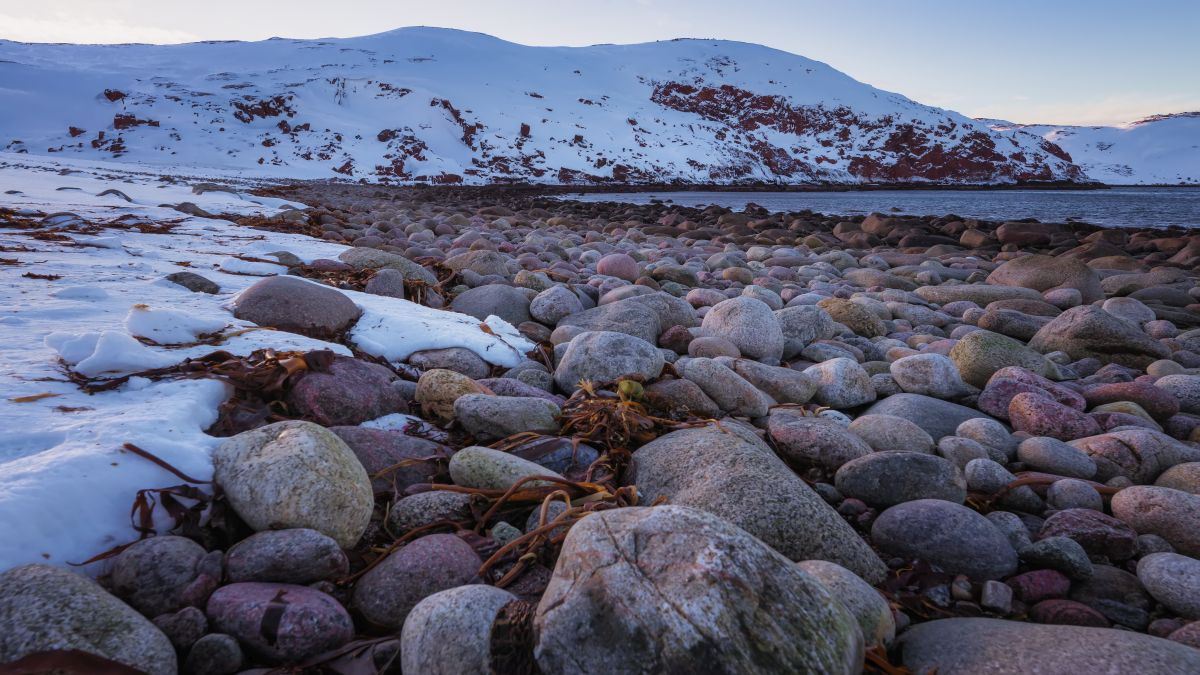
(732, 474)
(295, 474)
(491, 417)
(887, 433)
(163, 574)
(884, 479)
(813, 441)
(868, 605)
(44, 608)
(438, 389)
(1090, 332)
(981, 353)
(294, 556)
(480, 467)
(854, 316)
(605, 356)
(450, 632)
(731, 603)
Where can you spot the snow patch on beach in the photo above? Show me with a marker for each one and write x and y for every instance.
(66, 484)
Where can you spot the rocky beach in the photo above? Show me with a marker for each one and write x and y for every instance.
(472, 430)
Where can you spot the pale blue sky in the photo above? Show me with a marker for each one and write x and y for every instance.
(1051, 61)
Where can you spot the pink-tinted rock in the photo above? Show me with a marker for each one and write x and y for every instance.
(163, 574)
(297, 306)
(712, 347)
(1038, 585)
(292, 556)
(378, 449)
(1164, 627)
(347, 392)
(1188, 635)
(1007, 382)
(1138, 454)
(1067, 613)
(327, 265)
(388, 592)
(1157, 401)
(1097, 533)
(280, 622)
(618, 265)
(675, 338)
(1039, 415)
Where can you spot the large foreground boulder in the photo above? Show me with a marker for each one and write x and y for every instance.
(669, 589)
(729, 472)
(996, 647)
(44, 608)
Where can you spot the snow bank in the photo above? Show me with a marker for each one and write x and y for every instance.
(66, 484)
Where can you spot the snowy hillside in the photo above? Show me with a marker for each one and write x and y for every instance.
(1158, 150)
(449, 106)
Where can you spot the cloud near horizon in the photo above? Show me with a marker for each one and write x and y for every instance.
(73, 27)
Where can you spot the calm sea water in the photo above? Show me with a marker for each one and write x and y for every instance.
(1115, 207)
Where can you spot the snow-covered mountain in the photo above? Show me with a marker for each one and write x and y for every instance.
(1158, 150)
(449, 106)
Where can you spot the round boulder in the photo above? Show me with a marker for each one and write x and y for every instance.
(604, 356)
(949, 535)
(1173, 580)
(1048, 273)
(295, 474)
(389, 591)
(750, 325)
(884, 479)
(297, 306)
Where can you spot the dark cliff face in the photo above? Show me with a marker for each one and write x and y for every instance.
(879, 149)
